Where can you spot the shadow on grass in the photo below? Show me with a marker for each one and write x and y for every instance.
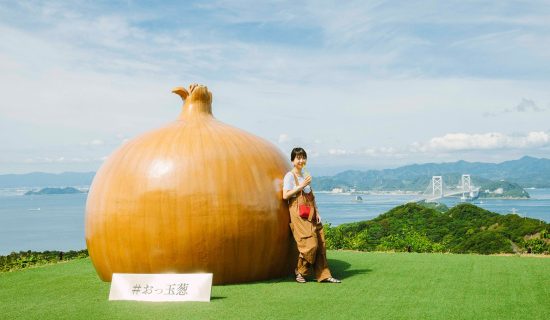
(341, 269)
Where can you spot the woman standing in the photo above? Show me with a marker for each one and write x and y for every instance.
(305, 221)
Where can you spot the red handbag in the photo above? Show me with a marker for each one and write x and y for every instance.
(304, 211)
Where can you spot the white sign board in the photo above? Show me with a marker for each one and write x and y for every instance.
(161, 287)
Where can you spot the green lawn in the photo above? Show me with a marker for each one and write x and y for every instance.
(375, 286)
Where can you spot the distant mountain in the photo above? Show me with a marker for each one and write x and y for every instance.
(45, 191)
(527, 172)
(41, 179)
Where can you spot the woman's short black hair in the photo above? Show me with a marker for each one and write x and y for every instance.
(298, 152)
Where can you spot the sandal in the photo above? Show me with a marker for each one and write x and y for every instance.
(300, 278)
(332, 280)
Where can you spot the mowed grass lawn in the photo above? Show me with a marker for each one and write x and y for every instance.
(375, 286)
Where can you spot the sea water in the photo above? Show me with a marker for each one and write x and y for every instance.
(344, 208)
(42, 222)
(56, 222)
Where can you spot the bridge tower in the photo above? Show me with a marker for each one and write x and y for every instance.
(437, 186)
(466, 183)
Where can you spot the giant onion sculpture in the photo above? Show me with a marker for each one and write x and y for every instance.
(196, 195)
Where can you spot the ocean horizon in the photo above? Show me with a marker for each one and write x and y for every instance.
(56, 222)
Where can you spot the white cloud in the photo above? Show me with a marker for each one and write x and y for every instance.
(527, 105)
(385, 152)
(483, 141)
(313, 153)
(524, 106)
(536, 139)
(96, 142)
(283, 138)
(370, 152)
(334, 77)
(339, 152)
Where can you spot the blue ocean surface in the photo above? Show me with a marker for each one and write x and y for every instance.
(56, 222)
(42, 222)
(343, 208)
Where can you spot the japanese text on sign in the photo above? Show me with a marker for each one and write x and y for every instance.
(161, 287)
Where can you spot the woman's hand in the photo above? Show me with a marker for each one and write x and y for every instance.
(306, 182)
(289, 193)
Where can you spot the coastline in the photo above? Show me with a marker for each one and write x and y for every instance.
(374, 193)
(506, 197)
(406, 193)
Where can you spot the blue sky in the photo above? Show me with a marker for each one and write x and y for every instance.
(359, 84)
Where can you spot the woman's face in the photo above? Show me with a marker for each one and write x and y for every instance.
(299, 162)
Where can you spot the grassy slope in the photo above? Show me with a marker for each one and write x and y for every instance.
(375, 286)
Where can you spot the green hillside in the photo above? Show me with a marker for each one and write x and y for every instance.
(375, 286)
(502, 189)
(464, 228)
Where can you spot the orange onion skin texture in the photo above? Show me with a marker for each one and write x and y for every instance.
(196, 195)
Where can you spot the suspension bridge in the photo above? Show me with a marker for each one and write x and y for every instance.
(437, 190)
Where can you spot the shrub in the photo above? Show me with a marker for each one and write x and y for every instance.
(25, 259)
(536, 246)
(345, 237)
(486, 242)
(409, 240)
(359, 241)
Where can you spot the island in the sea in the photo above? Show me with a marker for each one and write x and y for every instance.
(66, 190)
